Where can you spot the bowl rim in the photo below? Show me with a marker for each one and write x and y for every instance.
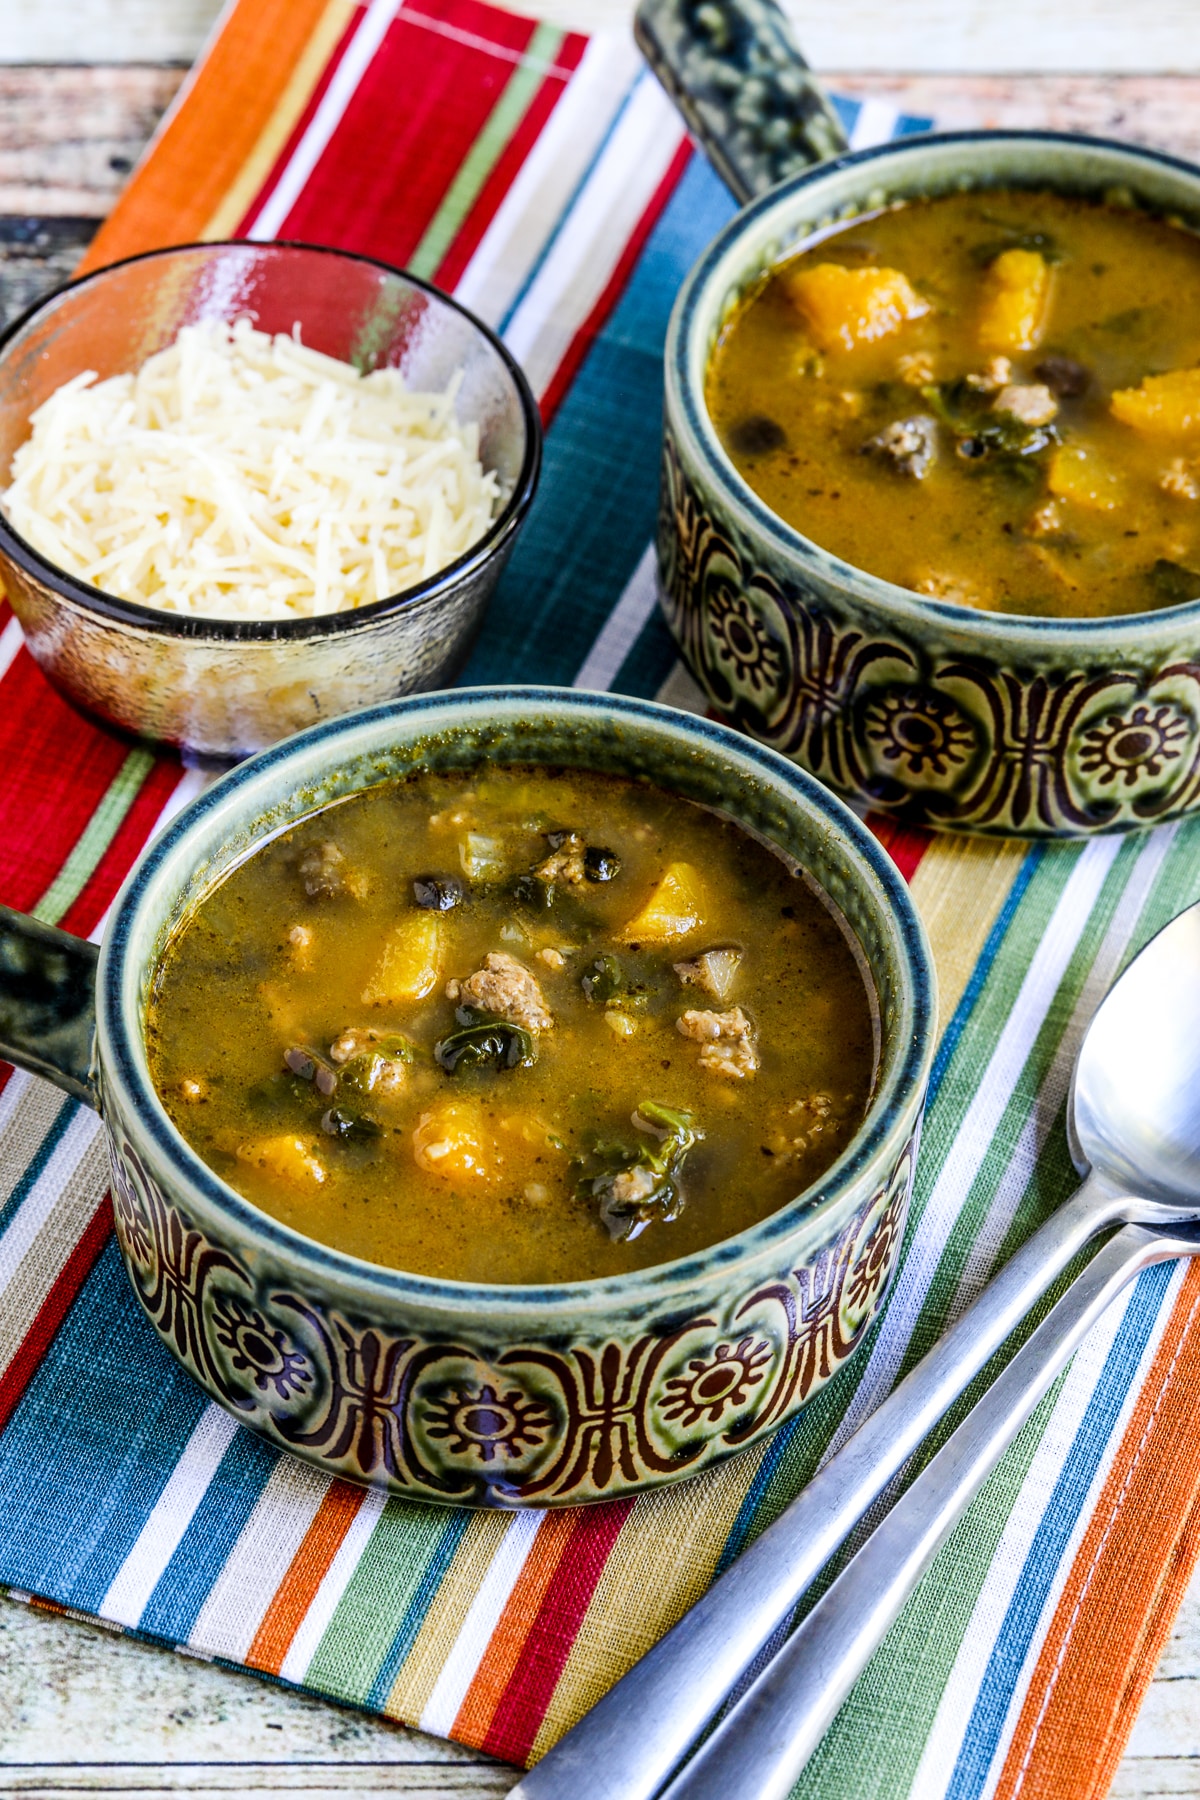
(115, 609)
(122, 1059)
(686, 410)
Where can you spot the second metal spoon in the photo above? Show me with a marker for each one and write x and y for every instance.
(1134, 1127)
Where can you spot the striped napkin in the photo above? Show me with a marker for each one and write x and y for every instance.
(544, 179)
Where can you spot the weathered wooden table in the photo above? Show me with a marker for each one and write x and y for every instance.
(82, 1711)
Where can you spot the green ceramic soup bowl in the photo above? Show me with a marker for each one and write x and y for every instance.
(936, 714)
(443, 1390)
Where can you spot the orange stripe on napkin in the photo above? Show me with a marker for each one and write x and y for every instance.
(491, 1678)
(306, 1571)
(307, 83)
(1141, 1545)
(204, 146)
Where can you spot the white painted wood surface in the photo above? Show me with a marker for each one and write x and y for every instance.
(84, 1712)
(982, 36)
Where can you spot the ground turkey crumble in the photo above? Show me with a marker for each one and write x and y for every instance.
(631, 1186)
(507, 989)
(726, 1040)
(1030, 403)
(910, 445)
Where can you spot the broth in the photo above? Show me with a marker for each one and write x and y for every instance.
(522, 1025)
(991, 398)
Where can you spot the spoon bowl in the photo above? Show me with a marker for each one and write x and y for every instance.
(1134, 1111)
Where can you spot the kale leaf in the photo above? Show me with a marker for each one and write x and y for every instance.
(639, 1185)
(483, 1041)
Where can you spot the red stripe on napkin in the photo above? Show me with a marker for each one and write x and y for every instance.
(66, 768)
(127, 844)
(303, 123)
(905, 844)
(494, 189)
(386, 167)
(519, 1716)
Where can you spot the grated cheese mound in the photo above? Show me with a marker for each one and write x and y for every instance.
(237, 476)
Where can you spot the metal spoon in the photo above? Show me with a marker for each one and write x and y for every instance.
(762, 1745)
(1134, 1131)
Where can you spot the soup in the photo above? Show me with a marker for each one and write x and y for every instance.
(521, 1025)
(991, 398)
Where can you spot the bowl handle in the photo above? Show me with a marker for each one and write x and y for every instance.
(48, 1003)
(748, 97)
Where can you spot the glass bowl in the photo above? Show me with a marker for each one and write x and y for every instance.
(221, 687)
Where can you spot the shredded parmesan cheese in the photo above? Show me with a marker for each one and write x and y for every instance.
(238, 476)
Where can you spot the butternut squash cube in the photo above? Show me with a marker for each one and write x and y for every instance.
(1165, 405)
(845, 307)
(286, 1157)
(674, 909)
(411, 964)
(1078, 475)
(1016, 301)
(450, 1140)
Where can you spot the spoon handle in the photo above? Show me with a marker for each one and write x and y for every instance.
(628, 1745)
(735, 72)
(760, 1748)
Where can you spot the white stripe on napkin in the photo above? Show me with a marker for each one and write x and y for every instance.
(876, 124)
(621, 629)
(160, 1537)
(11, 639)
(1043, 1119)
(325, 120)
(596, 233)
(483, 1615)
(975, 1135)
(11, 1097)
(35, 1210)
(539, 198)
(239, 1598)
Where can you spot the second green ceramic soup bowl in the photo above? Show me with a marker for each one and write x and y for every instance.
(447, 1390)
(937, 714)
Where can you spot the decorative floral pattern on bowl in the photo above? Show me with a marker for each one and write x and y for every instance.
(934, 713)
(490, 1422)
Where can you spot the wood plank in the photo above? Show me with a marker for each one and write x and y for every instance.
(86, 1709)
(972, 35)
(69, 137)
(37, 254)
(125, 1780)
(1160, 110)
(106, 31)
(1162, 1779)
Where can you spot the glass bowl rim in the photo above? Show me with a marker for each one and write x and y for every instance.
(115, 609)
